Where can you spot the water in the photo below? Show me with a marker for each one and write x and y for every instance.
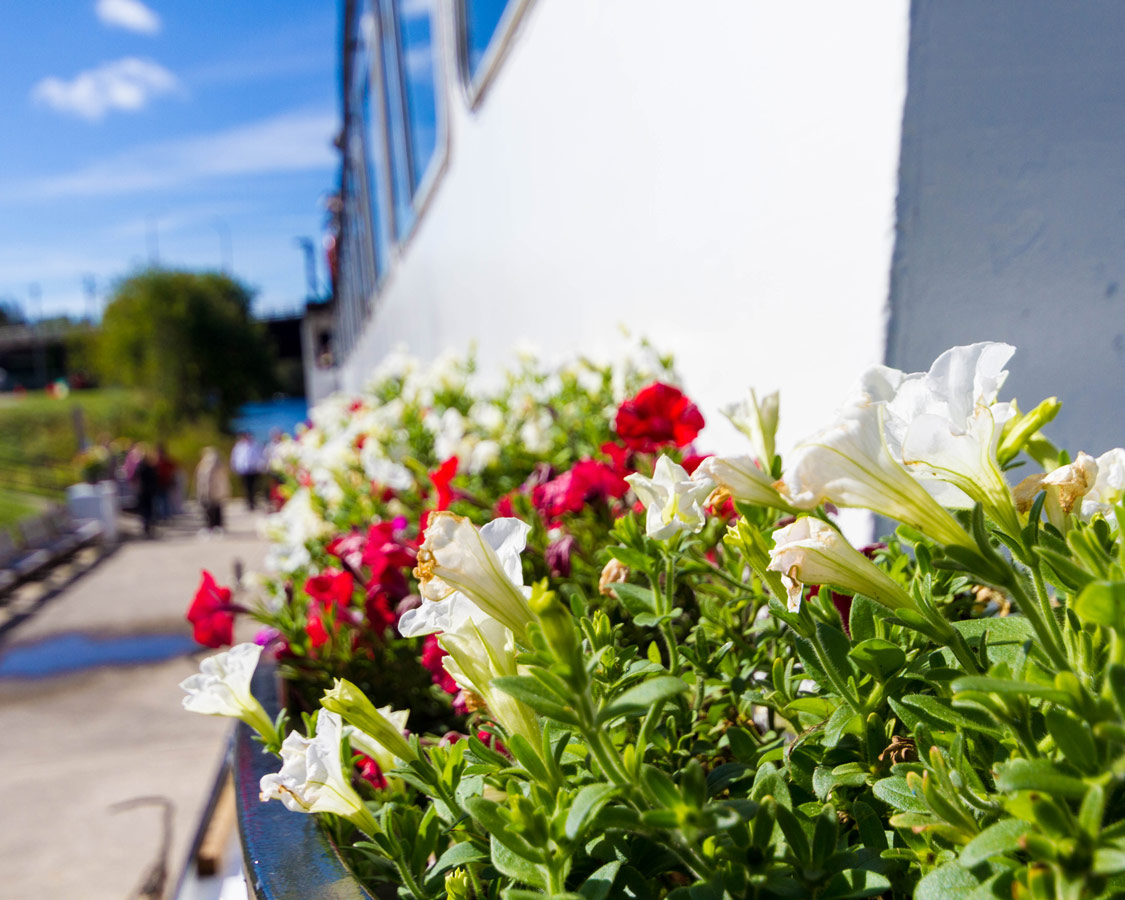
(63, 654)
(285, 413)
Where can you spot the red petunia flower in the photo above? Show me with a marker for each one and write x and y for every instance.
(211, 614)
(442, 477)
(331, 588)
(503, 508)
(658, 416)
(383, 550)
(693, 462)
(432, 655)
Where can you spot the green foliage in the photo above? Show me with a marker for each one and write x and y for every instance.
(39, 442)
(188, 339)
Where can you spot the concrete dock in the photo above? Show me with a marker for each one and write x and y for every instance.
(72, 746)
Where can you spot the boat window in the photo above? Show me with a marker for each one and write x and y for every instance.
(367, 105)
(411, 100)
(481, 20)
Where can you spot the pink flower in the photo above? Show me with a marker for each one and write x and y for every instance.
(369, 771)
(586, 482)
(557, 556)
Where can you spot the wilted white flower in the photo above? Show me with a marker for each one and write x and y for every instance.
(1065, 486)
(482, 564)
(1109, 486)
(811, 551)
(312, 777)
(741, 477)
(222, 688)
(849, 464)
(757, 419)
(673, 499)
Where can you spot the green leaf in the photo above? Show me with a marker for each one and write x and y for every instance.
(634, 559)
(526, 756)
(1074, 738)
(945, 882)
(1038, 775)
(635, 599)
(861, 619)
(938, 714)
(795, 835)
(456, 855)
(1103, 603)
(987, 685)
(878, 658)
(841, 722)
(514, 866)
(530, 691)
(637, 700)
(996, 840)
(896, 793)
(1068, 573)
(825, 781)
(871, 833)
(586, 805)
(600, 882)
(836, 648)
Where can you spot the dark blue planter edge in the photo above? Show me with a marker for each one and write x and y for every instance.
(288, 856)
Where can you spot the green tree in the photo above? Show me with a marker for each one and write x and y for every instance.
(189, 338)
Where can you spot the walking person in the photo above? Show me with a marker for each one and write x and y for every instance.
(248, 460)
(212, 490)
(147, 487)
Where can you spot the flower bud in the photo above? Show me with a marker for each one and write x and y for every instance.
(615, 572)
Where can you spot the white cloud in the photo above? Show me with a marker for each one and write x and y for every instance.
(129, 14)
(290, 142)
(126, 84)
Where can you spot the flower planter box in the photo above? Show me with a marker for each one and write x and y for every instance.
(287, 855)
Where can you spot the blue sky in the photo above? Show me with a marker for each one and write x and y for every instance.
(195, 120)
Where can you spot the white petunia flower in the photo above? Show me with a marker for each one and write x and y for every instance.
(945, 424)
(222, 688)
(479, 652)
(811, 551)
(673, 499)
(757, 419)
(850, 464)
(312, 777)
(483, 565)
(741, 477)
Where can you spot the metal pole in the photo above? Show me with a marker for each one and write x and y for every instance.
(38, 340)
(226, 250)
(90, 284)
(307, 245)
(153, 246)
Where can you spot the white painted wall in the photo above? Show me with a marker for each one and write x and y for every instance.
(718, 176)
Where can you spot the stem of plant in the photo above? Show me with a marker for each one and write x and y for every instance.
(1034, 615)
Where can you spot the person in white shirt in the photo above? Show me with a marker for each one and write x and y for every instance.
(248, 461)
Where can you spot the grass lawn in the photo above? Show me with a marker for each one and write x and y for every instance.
(14, 507)
(41, 431)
